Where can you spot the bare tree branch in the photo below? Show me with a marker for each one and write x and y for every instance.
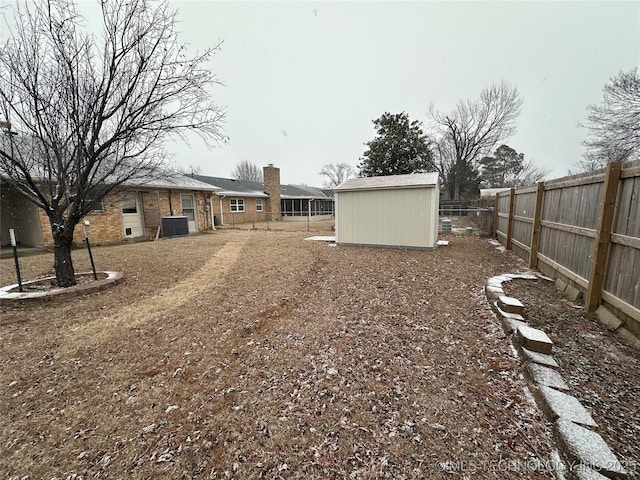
(336, 173)
(472, 130)
(614, 124)
(93, 113)
(246, 170)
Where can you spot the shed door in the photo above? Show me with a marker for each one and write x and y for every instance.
(189, 210)
(131, 216)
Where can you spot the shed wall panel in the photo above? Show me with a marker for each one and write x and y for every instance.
(393, 217)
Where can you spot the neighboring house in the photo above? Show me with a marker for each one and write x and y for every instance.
(242, 201)
(491, 192)
(135, 212)
(388, 211)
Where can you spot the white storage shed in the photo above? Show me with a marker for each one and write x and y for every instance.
(389, 211)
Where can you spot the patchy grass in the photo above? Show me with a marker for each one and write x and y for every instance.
(248, 354)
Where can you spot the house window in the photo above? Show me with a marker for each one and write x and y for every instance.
(237, 204)
(98, 206)
(129, 205)
(188, 207)
(258, 204)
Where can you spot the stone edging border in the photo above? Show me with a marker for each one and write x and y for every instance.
(584, 453)
(112, 279)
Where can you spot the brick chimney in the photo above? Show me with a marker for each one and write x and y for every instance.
(271, 179)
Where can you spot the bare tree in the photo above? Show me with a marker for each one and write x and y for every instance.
(92, 113)
(471, 131)
(336, 173)
(614, 125)
(246, 170)
(529, 174)
(189, 170)
(589, 163)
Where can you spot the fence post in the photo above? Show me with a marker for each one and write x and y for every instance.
(512, 198)
(535, 231)
(603, 236)
(495, 216)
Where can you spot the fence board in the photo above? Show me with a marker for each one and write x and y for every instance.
(621, 280)
(525, 205)
(569, 220)
(522, 232)
(633, 228)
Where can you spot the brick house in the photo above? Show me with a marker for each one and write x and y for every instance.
(137, 213)
(242, 201)
(134, 213)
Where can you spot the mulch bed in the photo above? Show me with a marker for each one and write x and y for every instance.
(602, 370)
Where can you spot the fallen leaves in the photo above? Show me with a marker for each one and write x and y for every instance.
(300, 362)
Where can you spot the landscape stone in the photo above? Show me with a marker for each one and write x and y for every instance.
(543, 376)
(587, 447)
(561, 285)
(493, 293)
(629, 337)
(608, 319)
(572, 293)
(494, 289)
(510, 276)
(534, 339)
(501, 278)
(544, 277)
(582, 472)
(525, 276)
(560, 405)
(539, 358)
(510, 325)
(492, 282)
(558, 465)
(511, 305)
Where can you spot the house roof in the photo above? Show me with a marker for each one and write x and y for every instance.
(245, 188)
(389, 181)
(302, 191)
(176, 182)
(156, 178)
(231, 186)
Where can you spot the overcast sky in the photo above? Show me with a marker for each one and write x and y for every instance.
(304, 80)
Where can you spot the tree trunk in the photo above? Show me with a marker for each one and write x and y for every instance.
(62, 264)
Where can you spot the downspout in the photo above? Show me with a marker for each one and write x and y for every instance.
(221, 212)
(213, 222)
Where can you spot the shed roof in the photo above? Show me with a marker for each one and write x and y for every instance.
(390, 181)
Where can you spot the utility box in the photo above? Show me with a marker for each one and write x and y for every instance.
(176, 226)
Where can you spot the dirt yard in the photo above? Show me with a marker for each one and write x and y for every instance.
(256, 354)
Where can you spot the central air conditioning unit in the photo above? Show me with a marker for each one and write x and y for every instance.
(176, 226)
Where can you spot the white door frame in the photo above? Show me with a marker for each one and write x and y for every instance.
(132, 221)
(193, 224)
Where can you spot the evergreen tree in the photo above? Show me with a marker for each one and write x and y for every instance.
(400, 147)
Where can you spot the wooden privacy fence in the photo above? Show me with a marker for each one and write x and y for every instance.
(587, 229)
